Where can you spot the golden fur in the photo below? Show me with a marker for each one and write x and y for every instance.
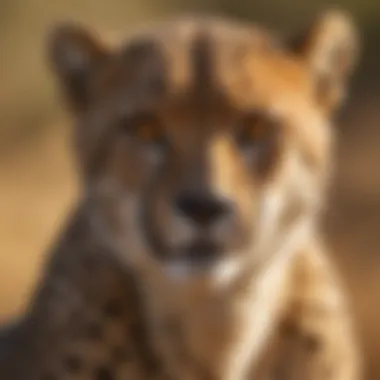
(205, 151)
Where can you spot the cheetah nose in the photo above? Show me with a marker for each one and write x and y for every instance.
(202, 209)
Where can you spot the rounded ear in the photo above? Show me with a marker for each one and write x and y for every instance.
(75, 55)
(329, 48)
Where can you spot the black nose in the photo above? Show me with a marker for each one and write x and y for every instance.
(202, 208)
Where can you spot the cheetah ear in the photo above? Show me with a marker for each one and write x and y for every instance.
(75, 56)
(329, 48)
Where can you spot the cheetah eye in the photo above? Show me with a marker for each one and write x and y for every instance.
(257, 137)
(257, 131)
(146, 129)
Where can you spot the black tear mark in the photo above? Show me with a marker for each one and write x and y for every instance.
(141, 340)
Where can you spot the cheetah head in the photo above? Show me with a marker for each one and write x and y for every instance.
(203, 143)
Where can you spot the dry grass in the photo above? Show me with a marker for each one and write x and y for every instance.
(37, 186)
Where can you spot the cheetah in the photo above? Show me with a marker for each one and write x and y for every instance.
(204, 148)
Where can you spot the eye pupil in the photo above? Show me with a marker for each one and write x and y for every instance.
(146, 132)
(259, 139)
(145, 129)
(257, 129)
(256, 132)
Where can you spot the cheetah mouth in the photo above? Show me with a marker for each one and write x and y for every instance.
(201, 253)
(197, 257)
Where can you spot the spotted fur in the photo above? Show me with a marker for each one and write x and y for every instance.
(230, 282)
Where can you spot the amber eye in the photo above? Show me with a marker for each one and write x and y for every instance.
(257, 131)
(147, 129)
(258, 138)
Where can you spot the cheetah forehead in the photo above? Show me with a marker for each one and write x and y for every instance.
(196, 50)
(182, 30)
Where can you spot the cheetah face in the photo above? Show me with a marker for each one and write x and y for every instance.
(204, 143)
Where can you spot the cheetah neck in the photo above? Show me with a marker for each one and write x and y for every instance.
(222, 333)
(204, 332)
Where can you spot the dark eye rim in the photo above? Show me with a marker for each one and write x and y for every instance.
(130, 125)
(249, 120)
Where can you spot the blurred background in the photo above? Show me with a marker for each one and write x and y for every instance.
(38, 185)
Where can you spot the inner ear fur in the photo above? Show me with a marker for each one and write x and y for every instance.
(75, 54)
(329, 48)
